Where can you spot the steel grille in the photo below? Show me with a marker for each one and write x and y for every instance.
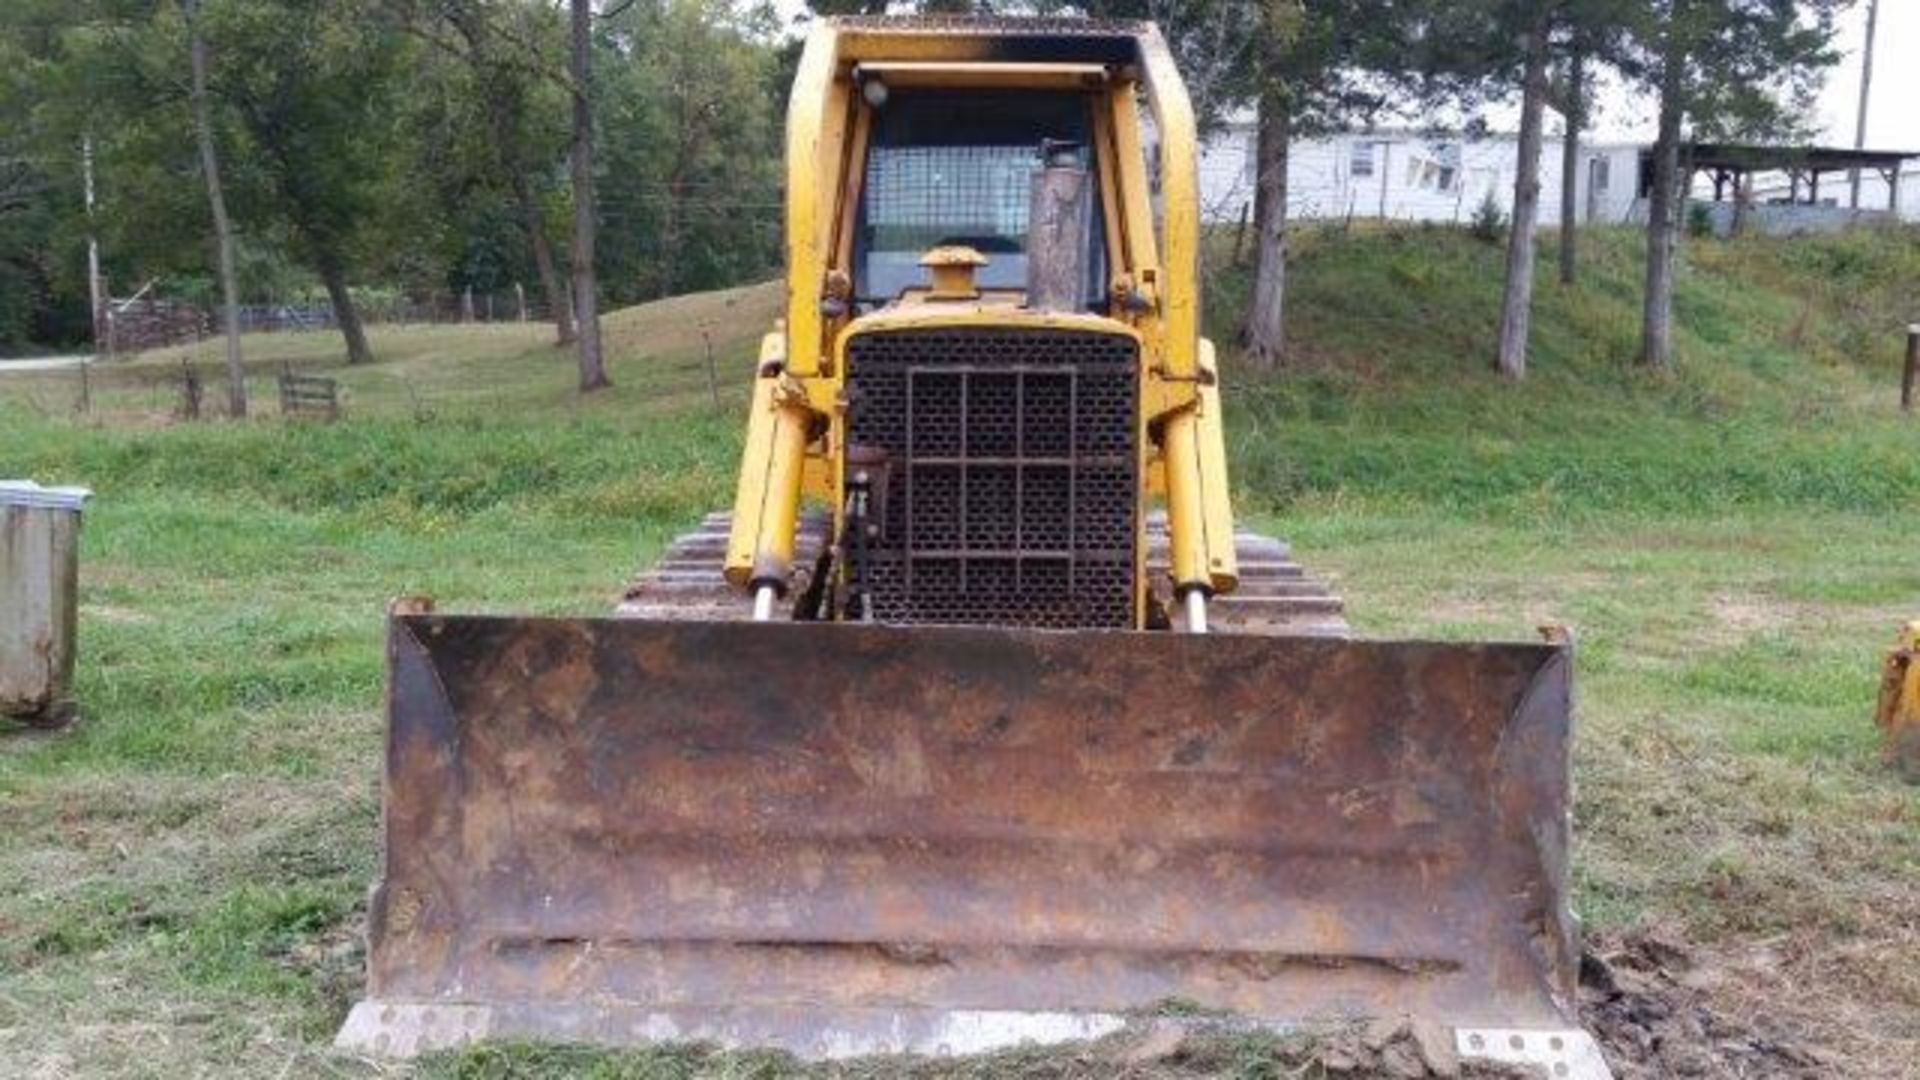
(1011, 494)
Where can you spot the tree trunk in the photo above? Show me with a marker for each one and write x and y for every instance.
(1656, 327)
(1574, 110)
(217, 202)
(346, 316)
(1265, 330)
(593, 372)
(534, 220)
(1516, 306)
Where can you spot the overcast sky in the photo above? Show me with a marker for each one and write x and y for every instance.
(1893, 120)
(1893, 115)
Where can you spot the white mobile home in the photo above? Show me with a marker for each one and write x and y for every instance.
(1411, 176)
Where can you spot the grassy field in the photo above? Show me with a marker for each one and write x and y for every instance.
(183, 873)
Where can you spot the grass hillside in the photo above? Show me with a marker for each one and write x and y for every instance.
(183, 873)
(1785, 392)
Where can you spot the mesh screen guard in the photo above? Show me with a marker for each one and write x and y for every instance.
(1012, 491)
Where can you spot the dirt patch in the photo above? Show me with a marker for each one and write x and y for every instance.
(1737, 617)
(111, 613)
(1494, 611)
(1649, 1000)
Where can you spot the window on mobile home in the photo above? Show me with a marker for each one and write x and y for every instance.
(1360, 159)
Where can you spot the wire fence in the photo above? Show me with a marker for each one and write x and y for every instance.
(137, 324)
(467, 307)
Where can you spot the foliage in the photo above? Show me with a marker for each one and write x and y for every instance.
(1699, 219)
(309, 86)
(45, 106)
(363, 135)
(1489, 222)
(1470, 52)
(1747, 69)
(691, 150)
(484, 109)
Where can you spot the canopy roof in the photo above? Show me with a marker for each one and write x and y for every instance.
(1753, 157)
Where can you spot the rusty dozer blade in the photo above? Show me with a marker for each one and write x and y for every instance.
(849, 839)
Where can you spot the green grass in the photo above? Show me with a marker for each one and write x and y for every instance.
(182, 874)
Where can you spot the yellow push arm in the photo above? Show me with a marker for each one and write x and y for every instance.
(1199, 510)
(766, 510)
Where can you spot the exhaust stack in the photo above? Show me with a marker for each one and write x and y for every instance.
(1059, 230)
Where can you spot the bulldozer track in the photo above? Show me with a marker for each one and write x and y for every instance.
(1277, 596)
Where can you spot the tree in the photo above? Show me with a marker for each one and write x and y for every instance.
(1656, 316)
(1317, 67)
(1733, 69)
(1516, 301)
(312, 84)
(217, 205)
(504, 47)
(1571, 100)
(689, 148)
(1305, 67)
(28, 197)
(593, 372)
(1481, 50)
(1264, 330)
(52, 94)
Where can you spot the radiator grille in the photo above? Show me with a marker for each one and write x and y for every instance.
(1011, 491)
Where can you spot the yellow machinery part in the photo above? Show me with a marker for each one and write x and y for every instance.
(1898, 714)
(823, 147)
(817, 137)
(1199, 510)
(1154, 260)
(766, 508)
(1178, 287)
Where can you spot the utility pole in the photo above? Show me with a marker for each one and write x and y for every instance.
(98, 309)
(1866, 84)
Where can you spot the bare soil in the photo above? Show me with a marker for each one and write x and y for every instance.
(1650, 1001)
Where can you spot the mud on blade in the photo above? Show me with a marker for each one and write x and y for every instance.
(622, 829)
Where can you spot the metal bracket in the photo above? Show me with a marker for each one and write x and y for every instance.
(1565, 1053)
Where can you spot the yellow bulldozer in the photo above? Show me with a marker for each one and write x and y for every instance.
(977, 721)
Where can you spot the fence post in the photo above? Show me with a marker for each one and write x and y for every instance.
(520, 298)
(713, 373)
(189, 391)
(1911, 374)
